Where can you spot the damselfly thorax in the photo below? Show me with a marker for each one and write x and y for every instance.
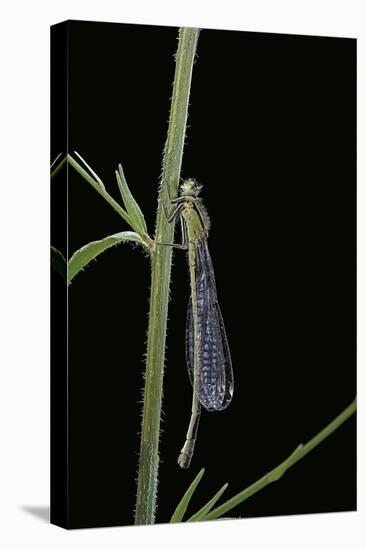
(196, 230)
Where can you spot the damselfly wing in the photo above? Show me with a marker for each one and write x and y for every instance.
(216, 374)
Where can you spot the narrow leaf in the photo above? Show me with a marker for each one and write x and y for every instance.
(101, 190)
(90, 179)
(95, 176)
(183, 504)
(55, 160)
(277, 473)
(58, 262)
(130, 203)
(55, 170)
(90, 251)
(200, 515)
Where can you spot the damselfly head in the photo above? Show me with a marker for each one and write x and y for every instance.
(190, 187)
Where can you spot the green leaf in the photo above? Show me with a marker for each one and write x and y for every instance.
(58, 262)
(200, 515)
(90, 251)
(55, 169)
(274, 475)
(129, 202)
(183, 504)
(55, 160)
(101, 190)
(94, 174)
(90, 179)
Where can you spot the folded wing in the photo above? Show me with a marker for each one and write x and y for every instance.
(216, 374)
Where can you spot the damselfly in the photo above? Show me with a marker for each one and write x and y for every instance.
(207, 350)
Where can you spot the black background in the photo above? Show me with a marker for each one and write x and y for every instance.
(272, 138)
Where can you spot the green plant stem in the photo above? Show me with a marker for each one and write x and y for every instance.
(277, 473)
(159, 295)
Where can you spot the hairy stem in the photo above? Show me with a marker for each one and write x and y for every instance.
(159, 296)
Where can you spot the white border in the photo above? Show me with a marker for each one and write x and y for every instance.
(24, 219)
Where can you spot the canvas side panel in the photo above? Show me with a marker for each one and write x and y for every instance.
(59, 291)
